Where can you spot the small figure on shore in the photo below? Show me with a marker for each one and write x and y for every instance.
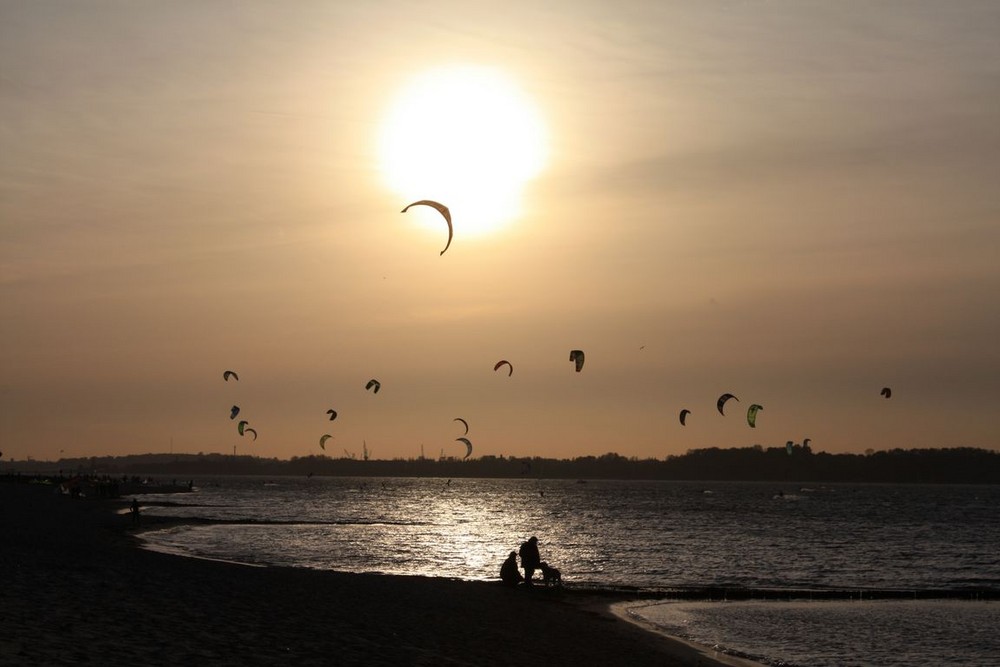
(530, 558)
(509, 574)
(550, 575)
(135, 511)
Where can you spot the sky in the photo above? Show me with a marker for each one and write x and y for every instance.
(794, 202)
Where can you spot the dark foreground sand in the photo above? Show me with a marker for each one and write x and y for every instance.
(75, 589)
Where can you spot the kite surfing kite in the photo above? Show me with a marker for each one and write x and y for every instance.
(886, 392)
(373, 383)
(752, 414)
(805, 443)
(442, 209)
(230, 374)
(242, 425)
(233, 411)
(468, 447)
(322, 441)
(721, 403)
(684, 413)
(250, 430)
(332, 413)
(510, 368)
(577, 356)
(464, 423)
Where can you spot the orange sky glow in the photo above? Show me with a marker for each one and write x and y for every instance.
(793, 202)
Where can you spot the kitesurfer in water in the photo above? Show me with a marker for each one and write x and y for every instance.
(509, 574)
(530, 558)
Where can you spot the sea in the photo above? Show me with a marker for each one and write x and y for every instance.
(780, 574)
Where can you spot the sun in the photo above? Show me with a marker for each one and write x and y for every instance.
(465, 136)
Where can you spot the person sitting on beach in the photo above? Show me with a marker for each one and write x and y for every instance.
(530, 558)
(509, 574)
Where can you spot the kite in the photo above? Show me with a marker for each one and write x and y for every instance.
(332, 413)
(465, 423)
(886, 392)
(684, 413)
(577, 356)
(322, 441)
(228, 374)
(233, 411)
(242, 425)
(752, 414)
(722, 402)
(510, 368)
(250, 430)
(442, 209)
(805, 443)
(373, 383)
(468, 446)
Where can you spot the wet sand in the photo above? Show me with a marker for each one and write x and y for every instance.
(76, 589)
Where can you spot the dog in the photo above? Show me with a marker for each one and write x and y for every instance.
(550, 575)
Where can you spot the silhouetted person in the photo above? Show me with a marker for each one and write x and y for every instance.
(529, 558)
(509, 574)
(135, 512)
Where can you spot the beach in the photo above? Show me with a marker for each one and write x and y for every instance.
(77, 589)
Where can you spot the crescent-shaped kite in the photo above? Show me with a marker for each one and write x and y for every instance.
(250, 430)
(442, 209)
(468, 447)
(332, 413)
(684, 413)
(577, 356)
(373, 383)
(464, 423)
(233, 411)
(752, 414)
(322, 441)
(242, 425)
(510, 368)
(721, 403)
(230, 374)
(886, 392)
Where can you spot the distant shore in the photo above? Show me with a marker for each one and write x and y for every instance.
(784, 465)
(77, 589)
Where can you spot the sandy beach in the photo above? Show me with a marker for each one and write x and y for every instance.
(77, 590)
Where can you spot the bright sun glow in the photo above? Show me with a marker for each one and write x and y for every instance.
(468, 138)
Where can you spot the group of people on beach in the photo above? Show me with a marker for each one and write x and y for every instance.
(531, 560)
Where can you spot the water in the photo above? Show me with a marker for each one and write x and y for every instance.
(709, 540)
(836, 634)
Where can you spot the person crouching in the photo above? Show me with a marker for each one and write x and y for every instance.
(509, 574)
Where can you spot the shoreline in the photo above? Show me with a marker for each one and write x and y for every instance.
(79, 588)
(623, 610)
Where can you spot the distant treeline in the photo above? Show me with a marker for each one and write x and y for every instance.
(961, 465)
